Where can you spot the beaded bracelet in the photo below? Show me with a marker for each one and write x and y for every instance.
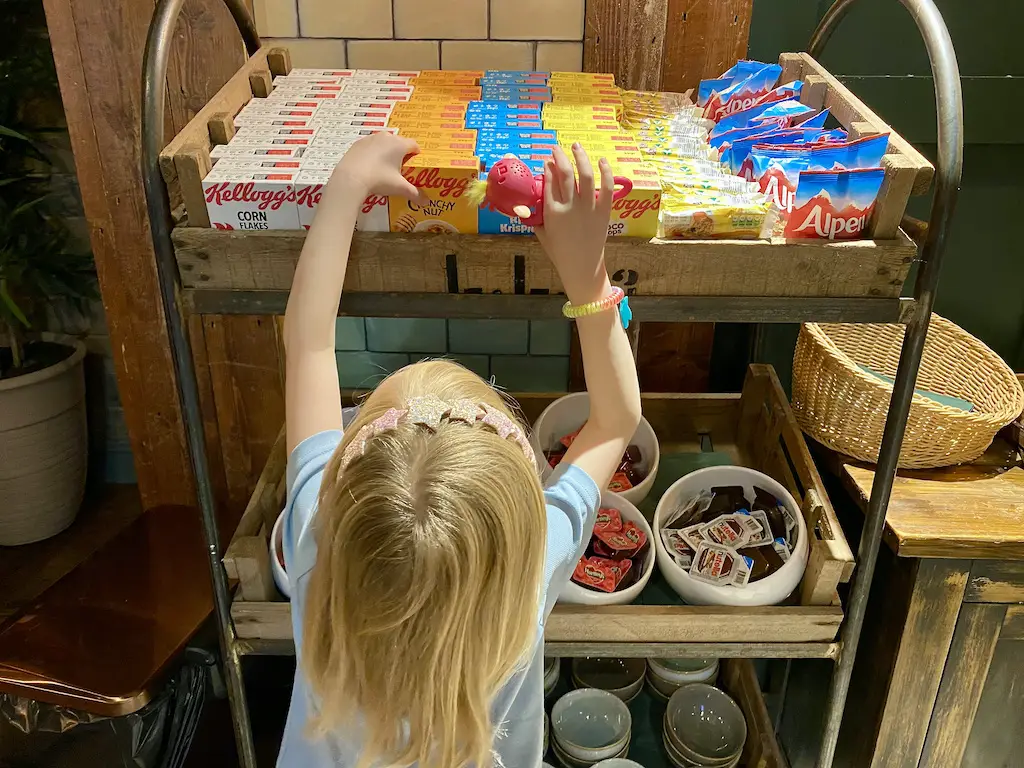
(617, 298)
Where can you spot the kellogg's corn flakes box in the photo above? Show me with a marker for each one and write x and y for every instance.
(445, 179)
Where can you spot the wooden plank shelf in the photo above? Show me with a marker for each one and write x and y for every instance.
(736, 280)
(775, 280)
(755, 428)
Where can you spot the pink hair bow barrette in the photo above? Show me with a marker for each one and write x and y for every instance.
(428, 411)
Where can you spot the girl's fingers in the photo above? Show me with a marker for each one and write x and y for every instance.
(604, 198)
(549, 183)
(586, 173)
(564, 179)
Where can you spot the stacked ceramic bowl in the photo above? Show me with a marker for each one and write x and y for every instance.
(666, 676)
(552, 669)
(588, 726)
(623, 678)
(704, 727)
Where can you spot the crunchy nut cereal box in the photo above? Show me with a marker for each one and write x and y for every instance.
(445, 179)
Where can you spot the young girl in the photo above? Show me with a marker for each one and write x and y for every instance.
(423, 554)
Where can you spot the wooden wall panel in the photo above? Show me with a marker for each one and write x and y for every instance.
(703, 39)
(98, 49)
(625, 37)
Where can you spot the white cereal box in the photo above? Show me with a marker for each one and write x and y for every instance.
(373, 216)
(376, 73)
(302, 81)
(257, 164)
(239, 199)
(273, 121)
(278, 131)
(242, 149)
(302, 96)
(298, 84)
(312, 72)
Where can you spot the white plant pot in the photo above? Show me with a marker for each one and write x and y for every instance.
(569, 413)
(770, 590)
(43, 448)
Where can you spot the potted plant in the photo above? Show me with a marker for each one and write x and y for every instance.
(43, 436)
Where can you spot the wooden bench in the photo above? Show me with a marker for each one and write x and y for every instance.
(106, 635)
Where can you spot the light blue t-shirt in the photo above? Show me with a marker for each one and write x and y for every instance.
(517, 711)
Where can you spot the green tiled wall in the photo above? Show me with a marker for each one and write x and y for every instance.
(520, 355)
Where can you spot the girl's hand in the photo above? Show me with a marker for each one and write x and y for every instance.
(373, 166)
(576, 223)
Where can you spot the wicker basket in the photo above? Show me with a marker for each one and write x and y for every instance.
(844, 407)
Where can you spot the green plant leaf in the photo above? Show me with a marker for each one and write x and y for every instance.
(12, 307)
(13, 134)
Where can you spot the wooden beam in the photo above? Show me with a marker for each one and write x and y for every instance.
(98, 49)
(703, 39)
(626, 37)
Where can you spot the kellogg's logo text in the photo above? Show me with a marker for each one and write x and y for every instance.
(246, 192)
(627, 208)
(434, 179)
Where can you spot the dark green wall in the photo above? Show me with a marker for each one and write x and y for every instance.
(879, 54)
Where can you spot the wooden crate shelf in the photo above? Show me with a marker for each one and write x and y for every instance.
(755, 428)
(867, 275)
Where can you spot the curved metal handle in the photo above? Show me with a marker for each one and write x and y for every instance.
(949, 109)
(158, 206)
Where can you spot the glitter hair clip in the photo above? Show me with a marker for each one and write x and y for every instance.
(428, 412)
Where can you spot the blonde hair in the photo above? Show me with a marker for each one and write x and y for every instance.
(425, 594)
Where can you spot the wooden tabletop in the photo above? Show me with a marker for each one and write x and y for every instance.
(970, 511)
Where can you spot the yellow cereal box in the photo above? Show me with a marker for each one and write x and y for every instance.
(558, 90)
(445, 178)
(562, 108)
(446, 96)
(445, 75)
(425, 112)
(446, 146)
(447, 87)
(612, 152)
(636, 215)
(588, 98)
(412, 125)
(594, 77)
(433, 133)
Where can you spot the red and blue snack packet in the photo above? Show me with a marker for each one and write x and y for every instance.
(741, 70)
(834, 205)
(739, 153)
(743, 94)
(745, 116)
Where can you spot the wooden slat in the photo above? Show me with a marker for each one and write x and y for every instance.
(703, 39)
(246, 380)
(261, 83)
(628, 624)
(977, 631)
(687, 624)
(900, 175)
(1013, 623)
(192, 164)
(248, 562)
(221, 127)
(761, 750)
(625, 38)
(212, 259)
(997, 581)
(265, 501)
(924, 645)
(98, 52)
(235, 94)
(750, 650)
(847, 108)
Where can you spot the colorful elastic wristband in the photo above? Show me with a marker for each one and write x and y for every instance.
(617, 298)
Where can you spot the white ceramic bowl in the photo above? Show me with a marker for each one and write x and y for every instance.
(684, 671)
(590, 725)
(622, 678)
(574, 594)
(617, 762)
(770, 590)
(569, 413)
(568, 761)
(277, 557)
(705, 725)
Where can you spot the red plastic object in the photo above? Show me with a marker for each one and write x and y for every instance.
(510, 185)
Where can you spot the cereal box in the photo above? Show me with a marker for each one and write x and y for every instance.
(450, 74)
(303, 95)
(244, 199)
(373, 215)
(342, 103)
(415, 127)
(242, 139)
(433, 133)
(503, 123)
(407, 74)
(445, 179)
(451, 82)
(241, 150)
(584, 77)
(307, 72)
(243, 163)
(253, 121)
(636, 214)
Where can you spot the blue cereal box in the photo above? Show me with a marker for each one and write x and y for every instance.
(501, 122)
(513, 135)
(503, 107)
